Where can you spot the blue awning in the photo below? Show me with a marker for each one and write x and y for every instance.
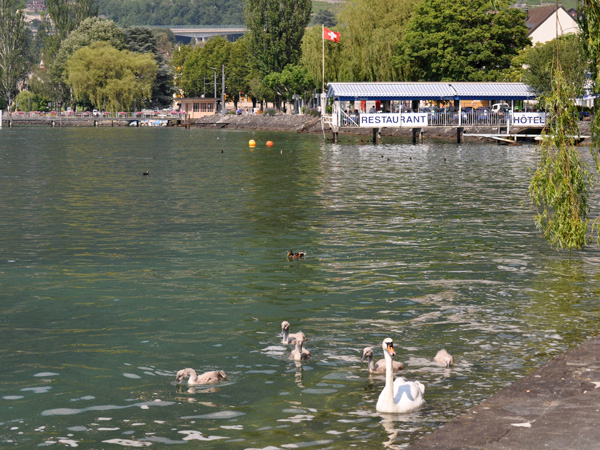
(493, 91)
(429, 91)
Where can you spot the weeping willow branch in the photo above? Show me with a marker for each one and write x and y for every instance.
(559, 186)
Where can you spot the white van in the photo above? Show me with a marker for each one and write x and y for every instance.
(499, 107)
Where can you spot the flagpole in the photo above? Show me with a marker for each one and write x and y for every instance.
(323, 39)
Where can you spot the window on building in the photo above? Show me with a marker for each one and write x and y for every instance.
(196, 107)
(207, 107)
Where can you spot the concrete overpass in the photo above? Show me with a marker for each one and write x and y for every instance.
(199, 33)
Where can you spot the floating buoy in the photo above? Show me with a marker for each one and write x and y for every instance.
(269, 143)
(252, 143)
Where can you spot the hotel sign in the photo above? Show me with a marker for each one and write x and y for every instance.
(532, 119)
(381, 120)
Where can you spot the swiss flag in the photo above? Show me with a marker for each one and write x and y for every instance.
(331, 35)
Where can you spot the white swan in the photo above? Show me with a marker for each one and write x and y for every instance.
(285, 332)
(299, 353)
(398, 396)
(443, 358)
(379, 366)
(205, 378)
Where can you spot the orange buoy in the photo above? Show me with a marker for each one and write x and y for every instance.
(269, 143)
(252, 143)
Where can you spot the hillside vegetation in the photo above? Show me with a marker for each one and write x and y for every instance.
(210, 12)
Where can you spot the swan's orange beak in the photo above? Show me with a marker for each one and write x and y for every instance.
(390, 349)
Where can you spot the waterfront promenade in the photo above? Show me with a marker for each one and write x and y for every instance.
(555, 407)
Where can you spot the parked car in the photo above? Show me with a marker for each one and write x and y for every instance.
(500, 107)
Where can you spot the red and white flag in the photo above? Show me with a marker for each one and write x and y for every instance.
(331, 35)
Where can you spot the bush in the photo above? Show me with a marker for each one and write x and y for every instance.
(269, 112)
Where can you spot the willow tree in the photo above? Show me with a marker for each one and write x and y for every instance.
(312, 57)
(371, 33)
(560, 187)
(110, 78)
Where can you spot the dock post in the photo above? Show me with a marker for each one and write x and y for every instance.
(335, 137)
(460, 135)
(0, 118)
(376, 135)
(417, 135)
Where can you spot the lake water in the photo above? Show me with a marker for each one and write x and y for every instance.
(111, 281)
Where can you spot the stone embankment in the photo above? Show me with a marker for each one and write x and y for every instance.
(311, 124)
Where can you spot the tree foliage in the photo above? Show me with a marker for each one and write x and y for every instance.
(275, 31)
(110, 78)
(538, 62)
(371, 33)
(324, 17)
(559, 186)
(200, 66)
(312, 58)
(14, 42)
(589, 22)
(144, 40)
(471, 40)
(172, 12)
(64, 16)
(291, 80)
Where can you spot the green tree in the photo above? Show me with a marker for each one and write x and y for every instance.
(111, 78)
(237, 70)
(14, 43)
(324, 17)
(471, 40)
(200, 65)
(312, 58)
(589, 22)
(559, 186)
(275, 30)
(539, 64)
(62, 17)
(143, 40)
(291, 80)
(371, 32)
(93, 29)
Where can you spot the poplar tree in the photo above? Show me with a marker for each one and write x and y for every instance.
(275, 31)
(64, 16)
(14, 39)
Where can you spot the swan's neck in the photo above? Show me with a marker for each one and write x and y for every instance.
(371, 364)
(389, 373)
(285, 333)
(193, 376)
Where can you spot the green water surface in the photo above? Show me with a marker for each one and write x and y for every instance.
(112, 281)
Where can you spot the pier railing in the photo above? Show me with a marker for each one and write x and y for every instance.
(438, 119)
(101, 115)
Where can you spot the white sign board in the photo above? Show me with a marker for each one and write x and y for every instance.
(530, 119)
(381, 120)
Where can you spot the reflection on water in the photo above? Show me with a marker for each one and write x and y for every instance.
(113, 281)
